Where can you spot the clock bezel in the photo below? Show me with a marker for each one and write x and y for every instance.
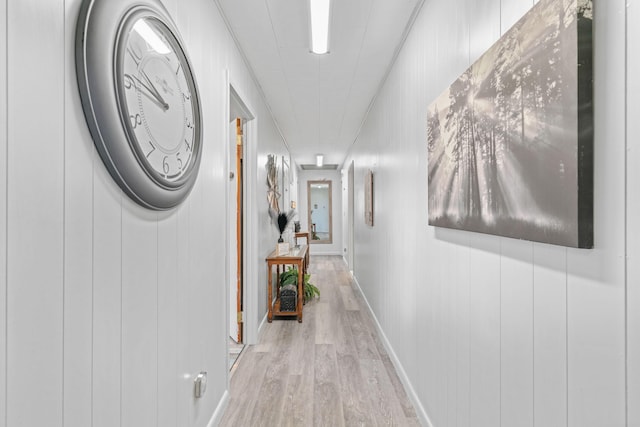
(126, 26)
(98, 43)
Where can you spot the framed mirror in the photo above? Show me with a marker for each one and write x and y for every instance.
(319, 211)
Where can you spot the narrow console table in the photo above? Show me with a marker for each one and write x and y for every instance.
(297, 257)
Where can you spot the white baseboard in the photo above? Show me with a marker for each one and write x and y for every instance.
(219, 412)
(329, 253)
(404, 378)
(261, 327)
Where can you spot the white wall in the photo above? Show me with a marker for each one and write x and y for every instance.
(110, 309)
(633, 213)
(493, 331)
(3, 214)
(334, 248)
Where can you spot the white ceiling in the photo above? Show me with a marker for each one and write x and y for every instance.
(319, 101)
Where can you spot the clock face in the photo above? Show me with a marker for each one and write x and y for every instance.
(157, 101)
(140, 99)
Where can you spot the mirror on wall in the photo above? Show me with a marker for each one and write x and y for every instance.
(319, 210)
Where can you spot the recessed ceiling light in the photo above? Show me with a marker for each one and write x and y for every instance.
(320, 25)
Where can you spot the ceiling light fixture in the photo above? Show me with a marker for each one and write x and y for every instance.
(320, 26)
(319, 160)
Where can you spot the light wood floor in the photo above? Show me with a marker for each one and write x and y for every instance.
(330, 370)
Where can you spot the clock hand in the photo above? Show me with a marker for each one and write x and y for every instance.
(135, 57)
(151, 94)
(153, 99)
(153, 89)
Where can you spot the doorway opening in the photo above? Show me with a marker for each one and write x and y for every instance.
(239, 220)
(242, 226)
(236, 217)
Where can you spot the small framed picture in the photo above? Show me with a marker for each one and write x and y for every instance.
(282, 249)
(368, 198)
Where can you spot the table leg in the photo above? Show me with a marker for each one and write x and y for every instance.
(300, 291)
(269, 294)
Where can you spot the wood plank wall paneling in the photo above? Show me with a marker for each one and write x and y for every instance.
(182, 307)
(3, 212)
(198, 247)
(484, 319)
(107, 297)
(633, 213)
(512, 11)
(596, 278)
(168, 318)
(35, 196)
(485, 29)
(550, 335)
(462, 301)
(111, 308)
(78, 243)
(139, 315)
(539, 330)
(516, 333)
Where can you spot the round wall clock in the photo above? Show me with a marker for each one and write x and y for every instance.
(140, 99)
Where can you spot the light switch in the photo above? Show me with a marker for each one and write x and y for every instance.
(200, 384)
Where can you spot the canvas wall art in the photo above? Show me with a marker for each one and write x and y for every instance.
(510, 142)
(368, 198)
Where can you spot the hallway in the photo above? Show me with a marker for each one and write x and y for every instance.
(330, 370)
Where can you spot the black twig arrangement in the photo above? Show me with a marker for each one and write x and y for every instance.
(281, 220)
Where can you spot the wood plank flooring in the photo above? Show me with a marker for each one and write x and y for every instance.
(330, 370)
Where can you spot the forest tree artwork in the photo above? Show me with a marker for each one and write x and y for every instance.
(510, 142)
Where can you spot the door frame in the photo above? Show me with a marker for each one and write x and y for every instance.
(235, 217)
(350, 217)
(234, 95)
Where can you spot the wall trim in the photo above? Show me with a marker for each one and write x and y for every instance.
(251, 261)
(219, 412)
(261, 327)
(328, 253)
(404, 378)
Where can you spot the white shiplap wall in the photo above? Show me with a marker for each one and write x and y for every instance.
(633, 212)
(493, 331)
(108, 310)
(3, 214)
(35, 211)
